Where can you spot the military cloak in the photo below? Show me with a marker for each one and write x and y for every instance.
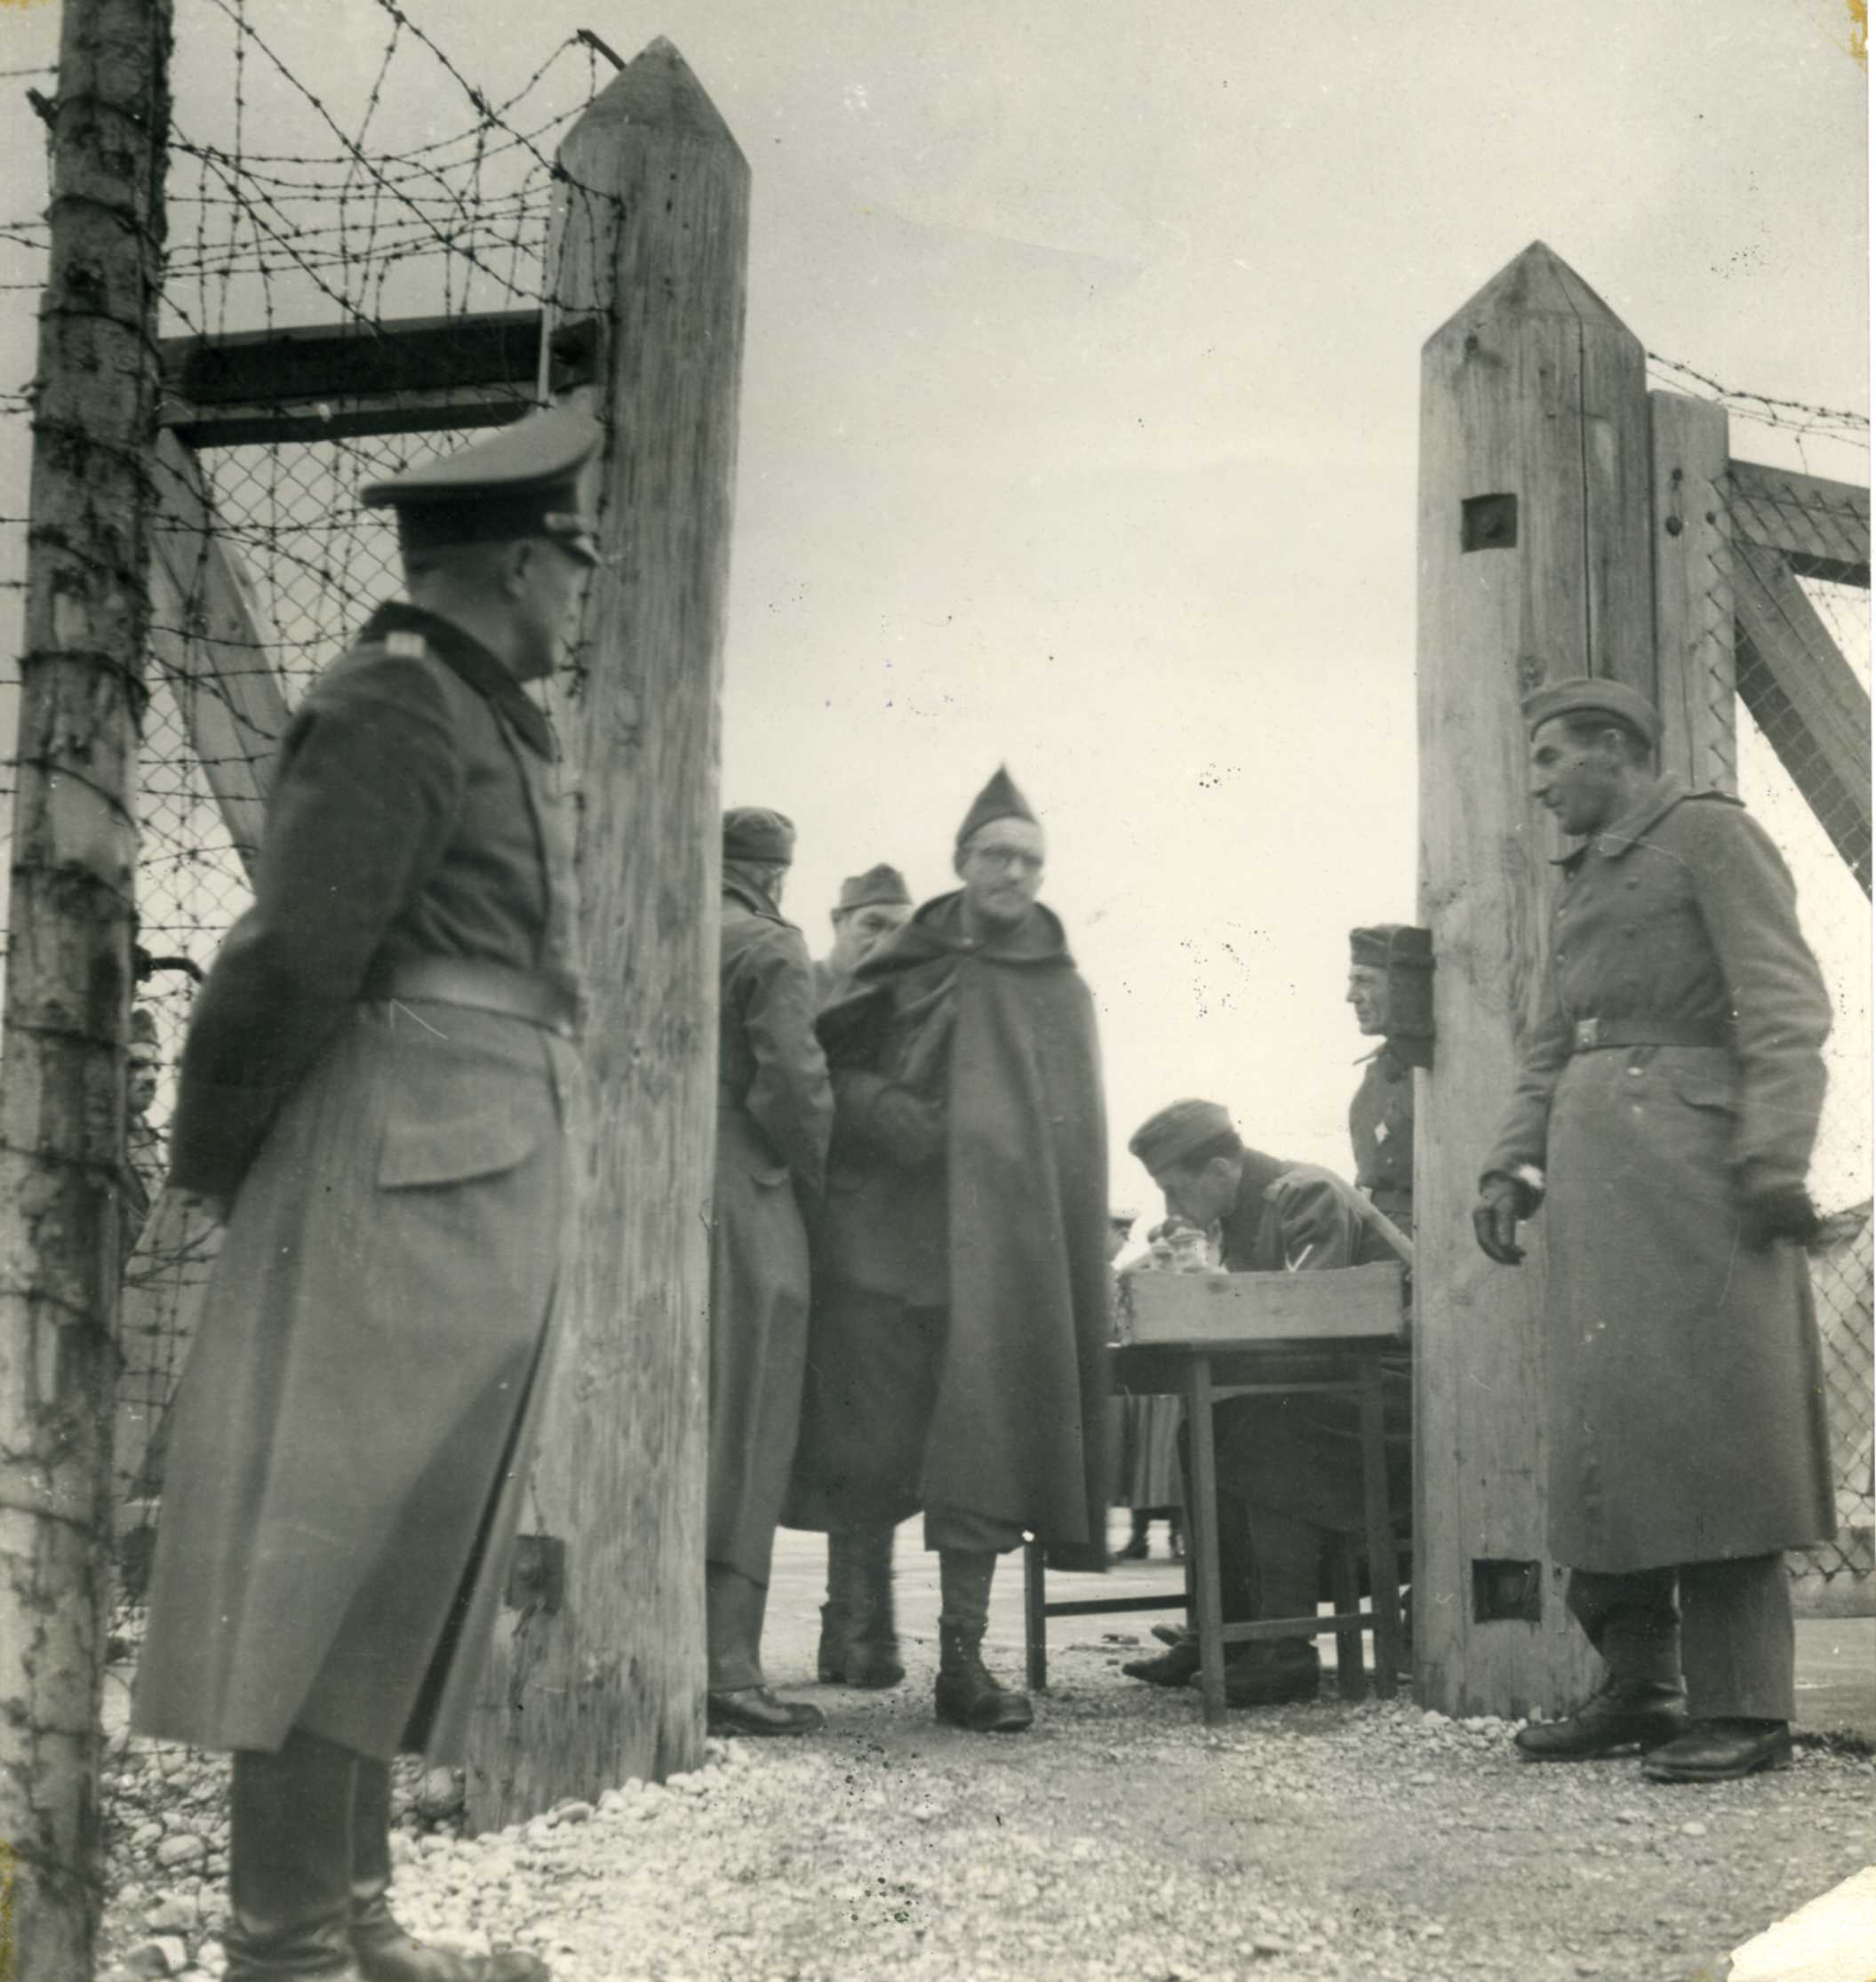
(969, 1175)
(353, 1430)
(1686, 1400)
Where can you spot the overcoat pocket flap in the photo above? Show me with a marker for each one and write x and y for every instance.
(481, 1142)
(1703, 1087)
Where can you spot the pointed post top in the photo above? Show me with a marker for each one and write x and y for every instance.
(1537, 283)
(657, 88)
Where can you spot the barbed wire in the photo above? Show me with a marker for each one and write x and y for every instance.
(1791, 416)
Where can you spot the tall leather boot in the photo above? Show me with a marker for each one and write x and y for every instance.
(290, 1862)
(873, 1648)
(967, 1695)
(830, 1657)
(383, 1950)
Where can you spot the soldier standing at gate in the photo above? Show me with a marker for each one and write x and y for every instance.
(1665, 1112)
(774, 1112)
(379, 1087)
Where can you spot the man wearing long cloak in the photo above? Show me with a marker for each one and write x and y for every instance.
(959, 1355)
(1665, 1112)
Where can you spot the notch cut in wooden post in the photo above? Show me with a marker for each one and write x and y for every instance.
(1533, 391)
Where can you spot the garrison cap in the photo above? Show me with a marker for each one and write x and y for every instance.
(522, 481)
(1171, 1135)
(755, 833)
(999, 799)
(879, 884)
(1593, 695)
(1373, 944)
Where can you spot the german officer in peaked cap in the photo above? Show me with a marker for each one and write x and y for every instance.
(1665, 1111)
(377, 1088)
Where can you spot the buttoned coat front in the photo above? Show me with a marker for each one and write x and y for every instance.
(1686, 1406)
(353, 1431)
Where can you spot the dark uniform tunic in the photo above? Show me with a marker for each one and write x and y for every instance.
(355, 1421)
(1678, 1062)
(1381, 1129)
(774, 1114)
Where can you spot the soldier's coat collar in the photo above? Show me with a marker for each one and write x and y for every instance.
(469, 660)
(1625, 833)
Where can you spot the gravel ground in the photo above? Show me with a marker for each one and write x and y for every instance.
(1120, 1839)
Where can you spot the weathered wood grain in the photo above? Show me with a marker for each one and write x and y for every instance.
(1691, 527)
(651, 231)
(1533, 390)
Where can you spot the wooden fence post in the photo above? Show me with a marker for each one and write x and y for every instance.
(1534, 565)
(651, 233)
(1692, 535)
(68, 966)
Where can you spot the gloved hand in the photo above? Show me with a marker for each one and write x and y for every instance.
(1503, 1201)
(1774, 1211)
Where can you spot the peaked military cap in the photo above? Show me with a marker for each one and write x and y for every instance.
(879, 884)
(999, 799)
(1593, 695)
(522, 481)
(755, 833)
(1373, 944)
(1171, 1135)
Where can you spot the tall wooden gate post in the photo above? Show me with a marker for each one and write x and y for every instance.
(1534, 565)
(606, 1680)
(68, 966)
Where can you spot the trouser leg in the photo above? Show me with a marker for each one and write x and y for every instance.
(1630, 1620)
(289, 1860)
(733, 1608)
(1287, 1565)
(1739, 1640)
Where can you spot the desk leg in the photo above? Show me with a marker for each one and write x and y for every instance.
(1201, 1535)
(1384, 1563)
(1035, 1618)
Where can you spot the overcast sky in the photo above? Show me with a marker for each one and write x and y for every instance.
(1080, 419)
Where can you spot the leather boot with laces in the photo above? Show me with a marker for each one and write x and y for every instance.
(968, 1696)
(1620, 1716)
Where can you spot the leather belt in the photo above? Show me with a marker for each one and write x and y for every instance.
(482, 987)
(1591, 1035)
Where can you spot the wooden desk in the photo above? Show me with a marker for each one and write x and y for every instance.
(1201, 1373)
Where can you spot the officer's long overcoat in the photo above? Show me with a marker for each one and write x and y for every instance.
(774, 1114)
(1686, 1405)
(354, 1423)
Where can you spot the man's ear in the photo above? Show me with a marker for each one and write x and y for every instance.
(514, 566)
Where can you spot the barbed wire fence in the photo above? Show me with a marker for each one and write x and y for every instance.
(289, 211)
